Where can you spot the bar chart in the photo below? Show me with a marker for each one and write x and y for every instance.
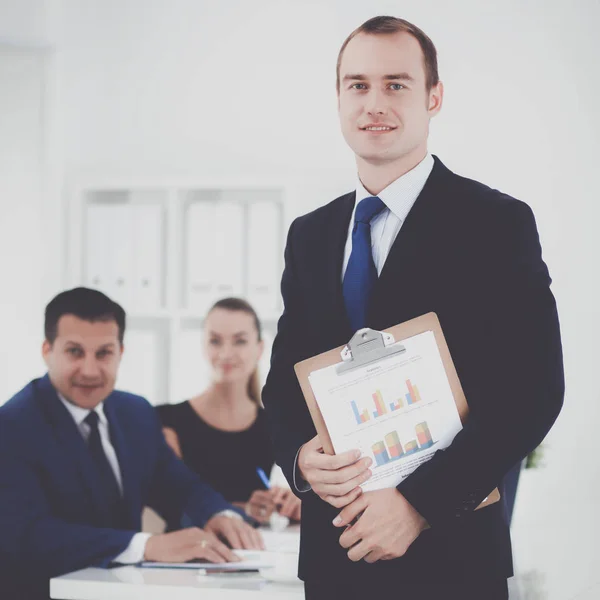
(390, 448)
(362, 416)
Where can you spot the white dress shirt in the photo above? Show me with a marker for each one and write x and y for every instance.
(134, 553)
(398, 198)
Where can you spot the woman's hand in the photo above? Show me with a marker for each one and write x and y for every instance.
(287, 503)
(261, 505)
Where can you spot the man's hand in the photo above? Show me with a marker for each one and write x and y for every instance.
(236, 532)
(287, 503)
(187, 544)
(334, 478)
(386, 527)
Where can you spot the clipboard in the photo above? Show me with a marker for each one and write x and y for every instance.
(369, 346)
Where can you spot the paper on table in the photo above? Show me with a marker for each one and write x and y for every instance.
(251, 560)
(398, 411)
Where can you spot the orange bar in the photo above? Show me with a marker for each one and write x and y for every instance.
(411, 390)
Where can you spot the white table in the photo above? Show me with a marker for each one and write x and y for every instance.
(133, 583)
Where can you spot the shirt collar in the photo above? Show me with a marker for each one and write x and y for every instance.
(401, 194)
(79, 414)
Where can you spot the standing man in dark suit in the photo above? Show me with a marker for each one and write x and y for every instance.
(413, 238)
(79, 461)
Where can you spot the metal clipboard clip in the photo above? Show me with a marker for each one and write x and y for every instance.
(367, 346)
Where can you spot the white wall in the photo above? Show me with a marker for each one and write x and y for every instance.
(174, 87)
(29, 244)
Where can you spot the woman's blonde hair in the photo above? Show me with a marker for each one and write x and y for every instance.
(238, 304)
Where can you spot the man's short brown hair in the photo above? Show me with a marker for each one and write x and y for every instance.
(390, 25)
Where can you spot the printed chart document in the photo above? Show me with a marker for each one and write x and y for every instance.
(398, 411)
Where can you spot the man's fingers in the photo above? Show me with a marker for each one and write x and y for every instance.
(374, 556)
(358, 551)
(343, 475)
(231, 534)
(341, 489)
(352, 535)
(223, 551)
(211, 555)
(351, 511)
(332, 462)
(342, 501)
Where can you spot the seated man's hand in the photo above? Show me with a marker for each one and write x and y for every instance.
(187, 544)
(334, 478)
(387, 525)
(287, 503)
(236, 532)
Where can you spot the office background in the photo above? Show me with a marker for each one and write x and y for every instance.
(146, 116)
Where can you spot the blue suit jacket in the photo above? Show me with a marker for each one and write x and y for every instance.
(51, 518)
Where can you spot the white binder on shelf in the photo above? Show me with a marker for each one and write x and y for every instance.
(140, 366)
(200, 266)
(96, 259)
(148, 244)
(229, 249)
(190, 371)
(118, 246)
(264, 230)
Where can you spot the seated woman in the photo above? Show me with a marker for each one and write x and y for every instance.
(222, 433)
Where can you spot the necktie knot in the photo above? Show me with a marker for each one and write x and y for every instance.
(368, 209)
(92, 420)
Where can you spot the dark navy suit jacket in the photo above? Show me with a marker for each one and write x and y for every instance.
(52, 520)
(472, 255)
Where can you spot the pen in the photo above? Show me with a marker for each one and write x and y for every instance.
(263, 477)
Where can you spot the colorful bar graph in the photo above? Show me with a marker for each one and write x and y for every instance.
(381, 409)
(379, 404)
(395, 450)
(360, 417)
(394, 445)
(411, 447)
(380, 453)
(413, 395)
(424, 435)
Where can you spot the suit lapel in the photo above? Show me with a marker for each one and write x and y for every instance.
(335, 236)
(72, 444)
(413, 245)
(131, 491)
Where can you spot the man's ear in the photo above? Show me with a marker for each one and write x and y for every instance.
(46, 350)
(436, 99)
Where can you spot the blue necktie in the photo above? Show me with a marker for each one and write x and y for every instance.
(361, 273)
(110, 487)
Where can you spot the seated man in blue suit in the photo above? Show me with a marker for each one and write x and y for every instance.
(79, 461)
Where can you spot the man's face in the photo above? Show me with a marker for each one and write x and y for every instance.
(84, 360)
(383, 102)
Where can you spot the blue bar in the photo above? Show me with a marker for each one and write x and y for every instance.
(355, 410)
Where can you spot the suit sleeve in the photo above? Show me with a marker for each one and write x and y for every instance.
(177, 492)
(30, 534)
(505, 341)
(289, 420)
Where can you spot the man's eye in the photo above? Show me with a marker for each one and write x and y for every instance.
(359, 86)
(74, 351)
(104, 353)
(214, 342)
(396, 86)
(241, 342)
